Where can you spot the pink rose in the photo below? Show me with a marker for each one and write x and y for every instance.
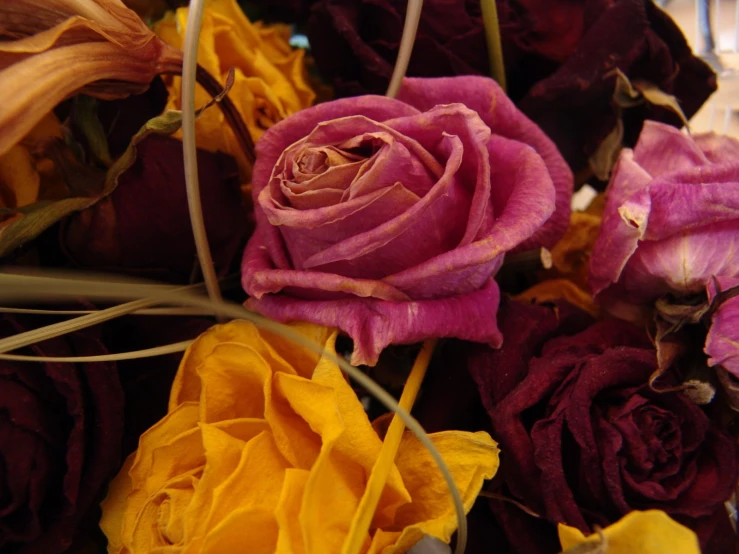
(722, 342)
(388, 218)
(671, 219)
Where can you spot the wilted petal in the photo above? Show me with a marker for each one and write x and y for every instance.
(374, 324)
(671, 215)
(722, 342)
(60, 47)
(143, 227)
(504, 119)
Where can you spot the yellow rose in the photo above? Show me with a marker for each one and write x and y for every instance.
(267, 449)
(269, 80)
(650, 532)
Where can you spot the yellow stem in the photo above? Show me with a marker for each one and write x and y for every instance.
(492, 37)
(380, 471)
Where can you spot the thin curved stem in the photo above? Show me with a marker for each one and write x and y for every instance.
(132, 355)
(31, 287)
(410, 27)
(189, 148)
(230, 112)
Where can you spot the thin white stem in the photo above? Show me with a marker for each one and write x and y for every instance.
(132, 355)
(189, 149)
(410, 27)
(28, 338)
(23, 287)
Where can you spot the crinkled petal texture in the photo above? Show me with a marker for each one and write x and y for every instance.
(388, 218)
(649, 532)
(60, 439)
(671, 220)
(587, 440)
(266, 445)
(269, 76)
(722, 342)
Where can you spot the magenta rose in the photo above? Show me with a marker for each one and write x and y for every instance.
(388, 218)
(722, 342)
(671, 219)
(61, 426)
(586, 440)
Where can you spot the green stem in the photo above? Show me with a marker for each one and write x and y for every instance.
(492, 37)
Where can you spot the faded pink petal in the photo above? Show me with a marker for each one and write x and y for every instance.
(722, 342)
(374, 324)
(671, 218)
(500, 114)
(370, 212)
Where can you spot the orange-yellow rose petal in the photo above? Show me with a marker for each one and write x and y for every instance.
(267, 446)
(649, 532)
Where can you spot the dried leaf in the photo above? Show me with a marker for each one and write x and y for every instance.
(624, 94)
(604, 158)
(559, 289)
(657, 97)
(730, 384)
(86, 119)
(42, 215)
(669, 348)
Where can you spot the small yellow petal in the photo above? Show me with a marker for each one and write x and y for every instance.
(19, 180)
(649, 532)
(560, 289)
(472, 458)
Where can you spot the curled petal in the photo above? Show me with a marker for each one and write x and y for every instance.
(722, 342)
(500, 114)
(374, 324)
(96, 46)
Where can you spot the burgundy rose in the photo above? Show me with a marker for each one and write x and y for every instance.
(143, 227)
(586, 440)
(60, 437)
(559, 57)
(388, 218)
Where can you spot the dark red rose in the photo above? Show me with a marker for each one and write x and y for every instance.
(60, 436)
(557, 56)
(584, 438)
(143, 227)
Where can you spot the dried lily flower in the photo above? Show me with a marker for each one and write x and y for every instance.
(51, 49)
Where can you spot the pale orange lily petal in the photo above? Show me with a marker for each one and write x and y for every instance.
(61, 47)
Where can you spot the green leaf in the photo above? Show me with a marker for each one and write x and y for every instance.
(38, 217)
(86, 119)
